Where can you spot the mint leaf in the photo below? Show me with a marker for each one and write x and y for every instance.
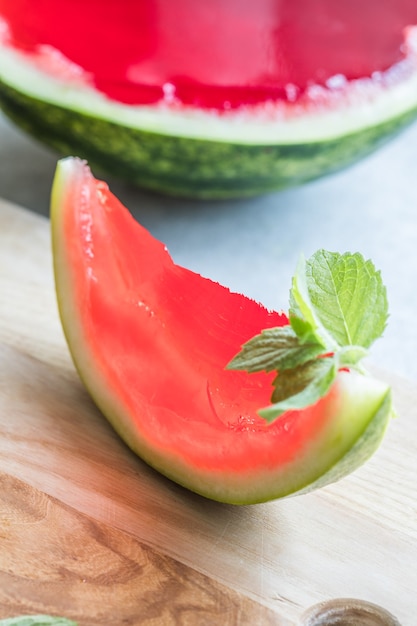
(338, 308)
(37, 620)
(304, 318)
(300, 387)
(275, 349)
(347, 296)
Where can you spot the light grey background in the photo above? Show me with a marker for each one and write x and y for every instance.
(252, 246)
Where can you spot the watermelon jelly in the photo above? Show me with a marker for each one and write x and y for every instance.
(219, 99)
(151, 340)
(221, 54)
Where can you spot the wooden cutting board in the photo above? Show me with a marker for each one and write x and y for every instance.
(90, 532)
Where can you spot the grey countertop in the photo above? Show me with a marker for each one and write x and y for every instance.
(252, 246)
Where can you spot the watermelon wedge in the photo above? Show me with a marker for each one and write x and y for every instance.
(151, 341)
(227, 100)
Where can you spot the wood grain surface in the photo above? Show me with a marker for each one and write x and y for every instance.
(57, 561)
(68, 481)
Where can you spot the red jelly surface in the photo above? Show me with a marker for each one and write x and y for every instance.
(221, 53)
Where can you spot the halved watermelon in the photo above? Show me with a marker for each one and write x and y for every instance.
(213, 100)
(151, 341)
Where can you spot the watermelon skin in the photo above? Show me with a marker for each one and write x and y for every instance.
(189, 167)
(151, 340)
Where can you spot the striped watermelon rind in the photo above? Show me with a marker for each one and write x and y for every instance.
(203, 154)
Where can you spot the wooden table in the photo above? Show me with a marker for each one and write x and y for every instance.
(90, 532)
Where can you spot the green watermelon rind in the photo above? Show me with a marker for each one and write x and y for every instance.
(197, 154)
(187, 167)
(365, 447)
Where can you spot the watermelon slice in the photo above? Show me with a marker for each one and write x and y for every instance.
(151, 341)
(211, 101)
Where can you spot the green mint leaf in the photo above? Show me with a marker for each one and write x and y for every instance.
(347, 297)
(300, 387)
(338, 308)
(37, 620)
(274, 349)
(304, 319)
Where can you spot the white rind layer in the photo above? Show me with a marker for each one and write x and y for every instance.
(342, 109)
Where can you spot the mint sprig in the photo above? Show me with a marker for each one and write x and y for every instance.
(338, 308)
